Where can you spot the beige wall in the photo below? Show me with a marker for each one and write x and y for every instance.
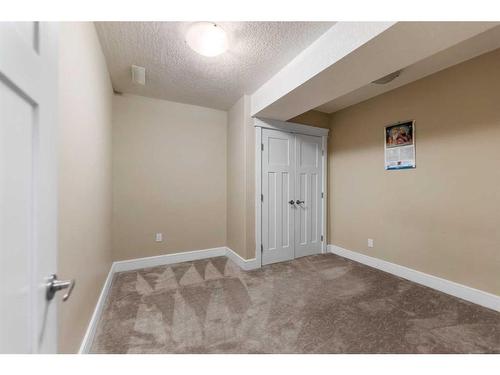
(169, 176)
(250, 183)
(313, 118)
(236, 222)
(441, 218)
(241, 179)
(84, 177)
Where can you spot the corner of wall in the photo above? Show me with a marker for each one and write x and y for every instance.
(241, 179)
(249, 180)
(84, 248)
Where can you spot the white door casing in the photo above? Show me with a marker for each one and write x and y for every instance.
(308, 188)
(306, 146)
(278, 177)
(28, 186)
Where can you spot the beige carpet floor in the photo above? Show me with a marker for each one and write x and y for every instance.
(317, 304)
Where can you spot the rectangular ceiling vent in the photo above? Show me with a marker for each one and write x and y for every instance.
(139, 75)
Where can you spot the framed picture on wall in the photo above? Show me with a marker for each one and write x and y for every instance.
(399, 145)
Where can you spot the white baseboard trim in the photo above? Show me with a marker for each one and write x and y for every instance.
(245, 264)
(89, 334)
(160, 260)
(476, 296)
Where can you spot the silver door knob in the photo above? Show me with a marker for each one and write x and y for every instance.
(299, 202)
(56, 285)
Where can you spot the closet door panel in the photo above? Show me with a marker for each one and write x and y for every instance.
(278, 180)
(308, 195)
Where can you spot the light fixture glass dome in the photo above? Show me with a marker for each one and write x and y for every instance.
(207, 38)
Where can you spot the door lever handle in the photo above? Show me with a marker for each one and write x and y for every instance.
(292, 202)
(56, 285)
(299, 202)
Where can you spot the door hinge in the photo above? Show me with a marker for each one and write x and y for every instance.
(262, 197)
(261, 248)
(322, 152)
(321, 238)
(262, 146)
(322, 195)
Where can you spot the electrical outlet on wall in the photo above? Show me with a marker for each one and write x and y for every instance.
(370, 242)
(159, 237)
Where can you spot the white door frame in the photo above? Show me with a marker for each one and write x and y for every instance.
(289, 127)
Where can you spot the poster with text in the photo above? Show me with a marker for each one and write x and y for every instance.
(400, 145)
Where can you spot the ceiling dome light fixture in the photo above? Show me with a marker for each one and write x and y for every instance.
(207, 38)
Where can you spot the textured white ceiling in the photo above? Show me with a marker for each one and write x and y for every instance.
(175, 72)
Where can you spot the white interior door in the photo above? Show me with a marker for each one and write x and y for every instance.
(308, 186)
(292, 205)
(28, 210)
(278, 173)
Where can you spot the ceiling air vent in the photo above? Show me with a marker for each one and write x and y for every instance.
(139, 74)
(388, 78)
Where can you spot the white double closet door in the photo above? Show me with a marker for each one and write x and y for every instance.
(291, 195)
